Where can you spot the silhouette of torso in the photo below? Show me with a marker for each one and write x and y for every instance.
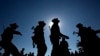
(54, 37)
(39, 40)
(39, 35)
(64, 51)
(55, 34)
(7, 35)
(55, 31)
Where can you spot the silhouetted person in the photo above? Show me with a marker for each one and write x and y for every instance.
(64, 51)
(89, 40)
(95, 40)
(83, 34)
(55, 36)
(7, 37)
(39, 40)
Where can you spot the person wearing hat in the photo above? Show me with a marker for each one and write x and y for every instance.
(38, 39)
(64, 48)
(90, 42)
(55, 36)
(7, 37)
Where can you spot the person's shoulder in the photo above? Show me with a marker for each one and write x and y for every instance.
(7, 28)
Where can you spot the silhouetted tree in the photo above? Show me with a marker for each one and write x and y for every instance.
(39, 40)
(26, 54)
(31, 54)
(22, 52)
(72, 54)
(7, 37)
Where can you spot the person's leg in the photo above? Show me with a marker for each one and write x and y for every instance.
(41, 50)
(14, 51)
(6, 52)
(55, 49)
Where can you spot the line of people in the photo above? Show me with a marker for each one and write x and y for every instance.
(55, 36)
(90, 42)
(38, 39)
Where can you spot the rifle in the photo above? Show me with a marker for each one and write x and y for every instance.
(64, 36)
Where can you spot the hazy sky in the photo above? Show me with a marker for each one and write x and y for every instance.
(27, 13)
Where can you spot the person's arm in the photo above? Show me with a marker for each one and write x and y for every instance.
(16, 32)
(97, 31)
(64, 36)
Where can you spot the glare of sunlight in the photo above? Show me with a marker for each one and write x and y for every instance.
(52, 16)
(50, 24)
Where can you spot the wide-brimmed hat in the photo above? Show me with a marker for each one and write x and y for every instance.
(41, 23)
(13, 25)
(55, 20)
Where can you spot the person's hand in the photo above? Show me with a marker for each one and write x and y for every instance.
(20, 34)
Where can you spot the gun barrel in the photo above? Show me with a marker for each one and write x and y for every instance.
(65, 36)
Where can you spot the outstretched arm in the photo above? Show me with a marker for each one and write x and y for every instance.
(16, 32)
(64, 36)
(97, 31)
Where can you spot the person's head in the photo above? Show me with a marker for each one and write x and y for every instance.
(41, 23)
(79, 25)
(55, 20)
(14, 25)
